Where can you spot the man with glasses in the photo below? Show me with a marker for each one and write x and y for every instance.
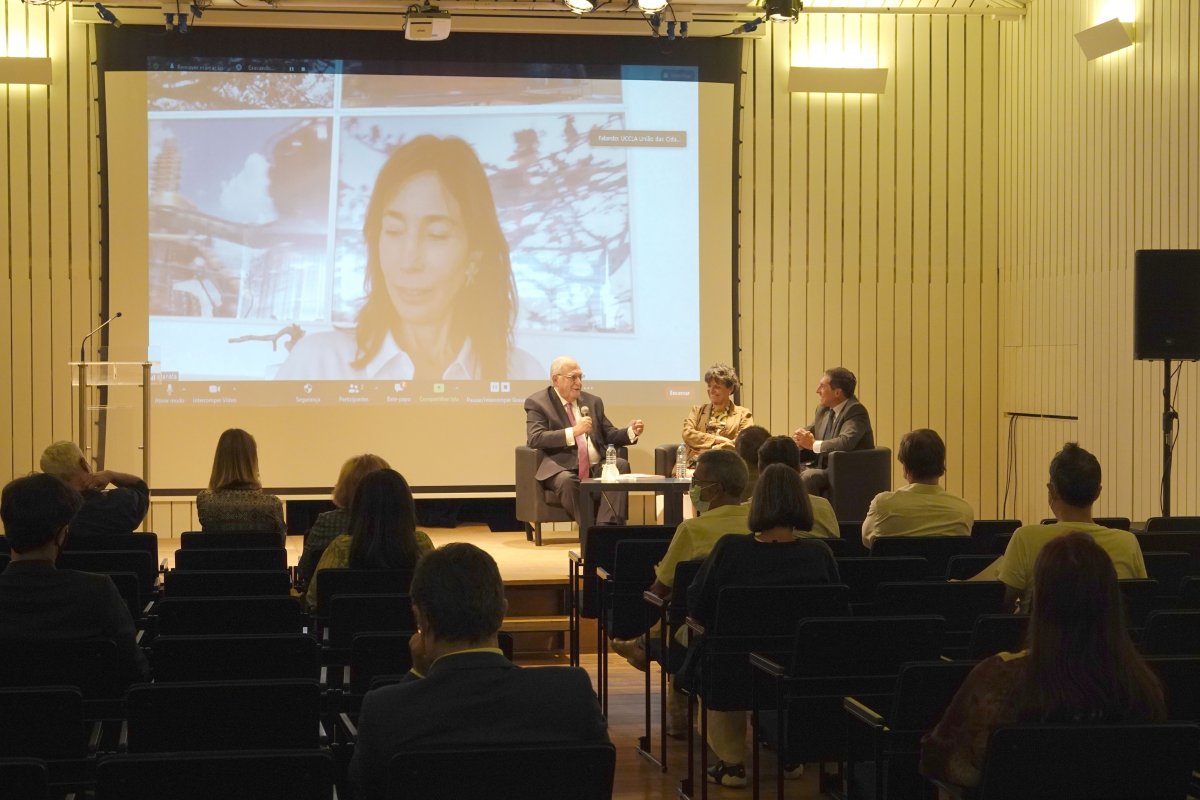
(569, 426)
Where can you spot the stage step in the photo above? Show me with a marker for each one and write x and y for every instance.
(536, 624)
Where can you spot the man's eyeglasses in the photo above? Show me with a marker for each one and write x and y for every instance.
(572, 377)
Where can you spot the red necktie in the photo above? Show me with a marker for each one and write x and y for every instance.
(585, 463)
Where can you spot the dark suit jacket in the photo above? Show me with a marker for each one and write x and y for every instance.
(474, 699)
(851, 430)
(43, 603)
(545, 419)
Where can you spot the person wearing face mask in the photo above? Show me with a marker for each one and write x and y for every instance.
(716, 491)
(38, 601)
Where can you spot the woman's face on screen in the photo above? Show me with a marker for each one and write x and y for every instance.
(424, 251)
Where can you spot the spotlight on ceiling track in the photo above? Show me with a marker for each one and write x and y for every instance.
(783, 10)
(651, 6)
(107, 15)
(580, 6)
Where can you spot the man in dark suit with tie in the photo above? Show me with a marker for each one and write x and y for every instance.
(570, 428)
(462, 692)
(839, 423)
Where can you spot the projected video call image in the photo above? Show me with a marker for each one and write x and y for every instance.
(361, 227)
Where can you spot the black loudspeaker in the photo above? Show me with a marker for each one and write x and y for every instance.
(1166, 305)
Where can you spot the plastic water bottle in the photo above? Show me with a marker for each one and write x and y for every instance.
(681, 461)
(609, 473)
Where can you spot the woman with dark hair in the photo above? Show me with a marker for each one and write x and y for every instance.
(1078, 665)
(333, 523)
(773, 555)
(234, 501)
(383, 530)
(441, 301)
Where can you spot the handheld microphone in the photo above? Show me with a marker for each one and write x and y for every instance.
(83, 344)
(583, 411)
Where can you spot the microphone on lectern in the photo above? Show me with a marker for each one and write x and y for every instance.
(82, 345)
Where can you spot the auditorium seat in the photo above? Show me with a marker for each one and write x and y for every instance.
(535, 505)
(664, 459)
(581, 772)
(24, 779)
(200, 616)
(228, 541)
(257, 774)
(218, 583)
(279, 656)
(855, 477)
(243, 558)
(1171, 524)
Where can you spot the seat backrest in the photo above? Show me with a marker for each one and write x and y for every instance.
(1141, 596)
(960, 603)
(961, 568)
(1189, 591)
(42, 722)
(1096, 762)
(634, 560)
(351, 614)
(855, 477)
(24, 779)
(1180, 678)
(601, 551)
(581, 772)
(231, 560)
(1169, 569)
(633, 570)
(139, 562)
(223, 715)
(842, 548)
(863, 574)
(277, 656)
(198, 616)
(1117, 523)
(116, 541)
(685, 573)
(339, 581)
(1000, 543)
(924, 690)
(375, 653)
(664, 459)
(1172, 633)
(775, 610)
(997, 633)
(1169, 524)
(936, 550)
(216, 583)
(832, 647)
(1173, 542)
(129, 587)
(231, 541)
(91, 665)
(258, 774)
(984, 530)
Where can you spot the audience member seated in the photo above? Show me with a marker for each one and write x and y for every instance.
(746, 445)
(331, 524)
(775, 554)
(716, 424)
(1078, 665)
(1073, 489)
(923, 507)
(234, 501)
(118, 510)
(462, 691)
(718, 483)
(40, 602)
(783, 450)
(382, 531)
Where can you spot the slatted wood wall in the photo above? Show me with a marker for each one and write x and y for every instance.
(1098, 159)
(870, 234)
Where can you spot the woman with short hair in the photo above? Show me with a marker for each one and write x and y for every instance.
(333, 523)
(716, 424)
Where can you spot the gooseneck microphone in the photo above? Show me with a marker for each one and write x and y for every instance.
(83, 344)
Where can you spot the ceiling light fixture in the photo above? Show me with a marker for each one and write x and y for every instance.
(783, 10)
(651, 6)
(580, 6)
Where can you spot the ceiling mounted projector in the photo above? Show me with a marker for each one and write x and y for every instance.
(426, 24)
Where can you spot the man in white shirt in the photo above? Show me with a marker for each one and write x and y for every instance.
(839, 423)
(923, 507)
(569, 426)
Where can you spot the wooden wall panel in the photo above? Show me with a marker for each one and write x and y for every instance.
(1099, 161)
(894, 267)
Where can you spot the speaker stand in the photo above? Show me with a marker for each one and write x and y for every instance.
(1168, 426)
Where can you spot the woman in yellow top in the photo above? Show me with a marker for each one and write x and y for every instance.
(383, 530)
(714, 425)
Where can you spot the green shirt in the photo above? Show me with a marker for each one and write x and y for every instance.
(695, 537)
(338, 555)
